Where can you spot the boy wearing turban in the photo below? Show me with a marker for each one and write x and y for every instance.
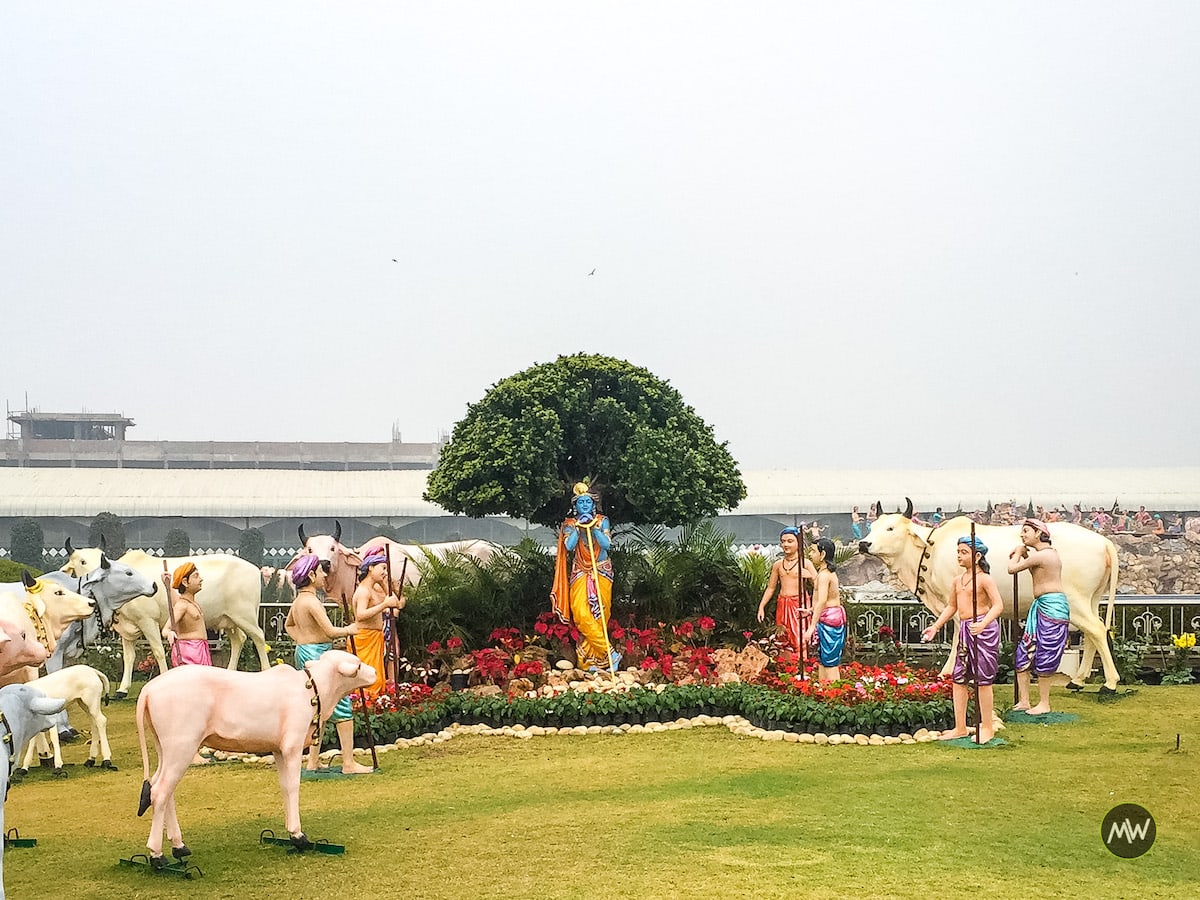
(1044, 639)
(978, 657)
(309, 626)
(794, 606)
(372, 596)
(184, 632)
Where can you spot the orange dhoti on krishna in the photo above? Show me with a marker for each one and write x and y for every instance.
(584, 598)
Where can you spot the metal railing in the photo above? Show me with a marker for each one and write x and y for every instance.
(1151, 619)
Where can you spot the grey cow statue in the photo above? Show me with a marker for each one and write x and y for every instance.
(24, 711)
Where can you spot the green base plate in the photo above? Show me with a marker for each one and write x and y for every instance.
(175, 869)
(1020, 717)
(968, 743)
(330, 773)
(268, 839)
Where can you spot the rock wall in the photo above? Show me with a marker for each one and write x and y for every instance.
(1158, 564)
(1150, 564)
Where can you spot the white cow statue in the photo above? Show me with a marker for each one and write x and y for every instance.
(42, 608)
(274, 712)
(229, 600)
(924, 559)
(341, 561)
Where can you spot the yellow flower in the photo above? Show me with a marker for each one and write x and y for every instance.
(1184, 641)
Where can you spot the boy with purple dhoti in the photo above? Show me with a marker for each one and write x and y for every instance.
(978, 657)
(1045, 638)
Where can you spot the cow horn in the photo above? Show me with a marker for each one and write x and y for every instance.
(879, 507)
(337, 530)
(104, 563)
(908, 510)
(303, 537)
(67, 546)
(103, 542)
(27, 579)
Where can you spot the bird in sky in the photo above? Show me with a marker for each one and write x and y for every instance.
(593, 272)
(395, 260)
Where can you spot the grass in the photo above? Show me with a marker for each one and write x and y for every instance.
(680, 814)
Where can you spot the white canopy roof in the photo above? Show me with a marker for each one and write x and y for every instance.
(273, 492)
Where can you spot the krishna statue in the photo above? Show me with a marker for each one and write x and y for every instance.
(582, 591)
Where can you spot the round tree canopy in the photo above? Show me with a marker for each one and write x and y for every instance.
(628, 433)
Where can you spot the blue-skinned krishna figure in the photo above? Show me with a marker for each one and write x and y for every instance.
(582, 592)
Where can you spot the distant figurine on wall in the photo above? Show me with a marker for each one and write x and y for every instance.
(794, 606)
(582, 590)
(828, 623)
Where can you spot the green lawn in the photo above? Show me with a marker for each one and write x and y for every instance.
(680, 814)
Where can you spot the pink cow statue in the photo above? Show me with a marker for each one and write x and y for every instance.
(275, 711)
(18, 649)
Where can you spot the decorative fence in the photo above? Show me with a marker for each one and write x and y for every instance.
(1151, 619)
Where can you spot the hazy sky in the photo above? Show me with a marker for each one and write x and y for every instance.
(851, 234)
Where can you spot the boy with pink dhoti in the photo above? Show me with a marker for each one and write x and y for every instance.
(185, 632)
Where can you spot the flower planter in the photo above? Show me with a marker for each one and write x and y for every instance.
(459, 680)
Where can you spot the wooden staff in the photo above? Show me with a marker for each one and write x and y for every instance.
(973, 654)
(170, 605)
(1016, 630)
(396, 618)
(387, 616)
(362, 692)
(803, 595)
(587, 529)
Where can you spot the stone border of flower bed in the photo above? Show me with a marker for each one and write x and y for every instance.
(736, 724)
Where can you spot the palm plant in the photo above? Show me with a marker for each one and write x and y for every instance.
(696, 574)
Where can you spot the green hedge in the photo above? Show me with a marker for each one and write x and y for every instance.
(762, 706)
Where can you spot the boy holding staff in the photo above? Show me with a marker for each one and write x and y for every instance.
(1045, 636)
(976, 600)
(791, 609)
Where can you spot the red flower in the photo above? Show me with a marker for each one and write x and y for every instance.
(454, 643)
(707, 623)
(435, 647)
(541, 627)
(684, 629)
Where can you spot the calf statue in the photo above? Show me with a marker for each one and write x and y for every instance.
(279, 711)
(24, 711)
(88, 688)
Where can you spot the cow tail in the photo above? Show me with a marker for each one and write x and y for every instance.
(106, 685)
(1113, 560)
(142, 715)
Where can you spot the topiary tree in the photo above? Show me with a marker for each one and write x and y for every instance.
(108, 528)
(177, 543)
(26, 544)
(10, 570)
(251, 546)
(534, 434)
